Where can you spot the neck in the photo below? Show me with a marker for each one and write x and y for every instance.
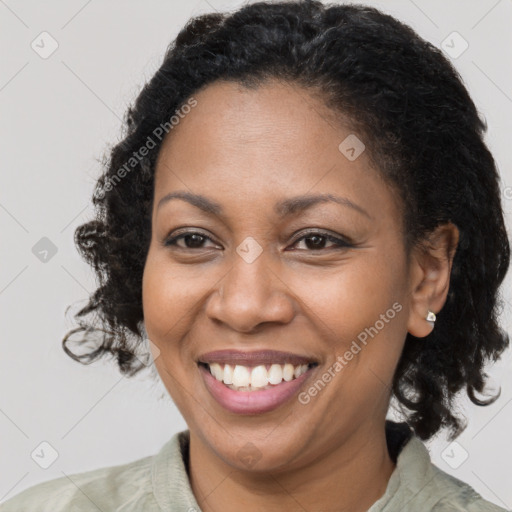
(350, 477)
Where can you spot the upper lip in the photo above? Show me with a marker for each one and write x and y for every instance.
(254, 358)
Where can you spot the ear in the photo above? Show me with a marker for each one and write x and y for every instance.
(430, 269)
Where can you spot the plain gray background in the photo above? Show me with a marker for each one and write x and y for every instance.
(58, 114)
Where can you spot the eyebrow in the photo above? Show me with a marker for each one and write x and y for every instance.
(283, 208)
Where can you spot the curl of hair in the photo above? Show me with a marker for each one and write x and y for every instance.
(423, 134)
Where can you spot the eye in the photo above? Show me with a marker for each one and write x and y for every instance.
(318, 240)
(191, 239)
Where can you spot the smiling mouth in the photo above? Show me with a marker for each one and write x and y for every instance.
(256, 377)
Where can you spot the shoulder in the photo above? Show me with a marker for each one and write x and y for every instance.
(458, 495)
(109, 488)
(431, 488)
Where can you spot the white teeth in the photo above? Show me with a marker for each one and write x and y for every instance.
(299, 370)
(228, 374)
(244, 378)
(217, 371)
(259, 377)
(241, 376)
(288, 372)
(275, 374)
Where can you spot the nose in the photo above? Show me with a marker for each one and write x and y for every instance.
(250, 295)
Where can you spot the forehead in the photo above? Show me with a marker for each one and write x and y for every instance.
(271, 141)
(276, 121)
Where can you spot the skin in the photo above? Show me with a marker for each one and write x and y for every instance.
(246, 150)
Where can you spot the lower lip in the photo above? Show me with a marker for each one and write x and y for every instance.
(252, 402)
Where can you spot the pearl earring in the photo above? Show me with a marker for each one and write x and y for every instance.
(431, 317)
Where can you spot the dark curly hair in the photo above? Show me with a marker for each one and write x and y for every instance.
(425, 137)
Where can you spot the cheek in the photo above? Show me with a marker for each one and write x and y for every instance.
(168, 304)
(173, 297)
(164, 300)
(167, 295)
(360, 315)
(347, 300)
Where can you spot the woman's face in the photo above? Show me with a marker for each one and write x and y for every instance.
(324, 283)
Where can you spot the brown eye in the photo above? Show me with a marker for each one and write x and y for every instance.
(192, 240)
(316, 240)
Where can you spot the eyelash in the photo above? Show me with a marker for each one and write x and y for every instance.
(339, 242)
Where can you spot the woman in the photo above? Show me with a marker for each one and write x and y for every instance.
(305, 222)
